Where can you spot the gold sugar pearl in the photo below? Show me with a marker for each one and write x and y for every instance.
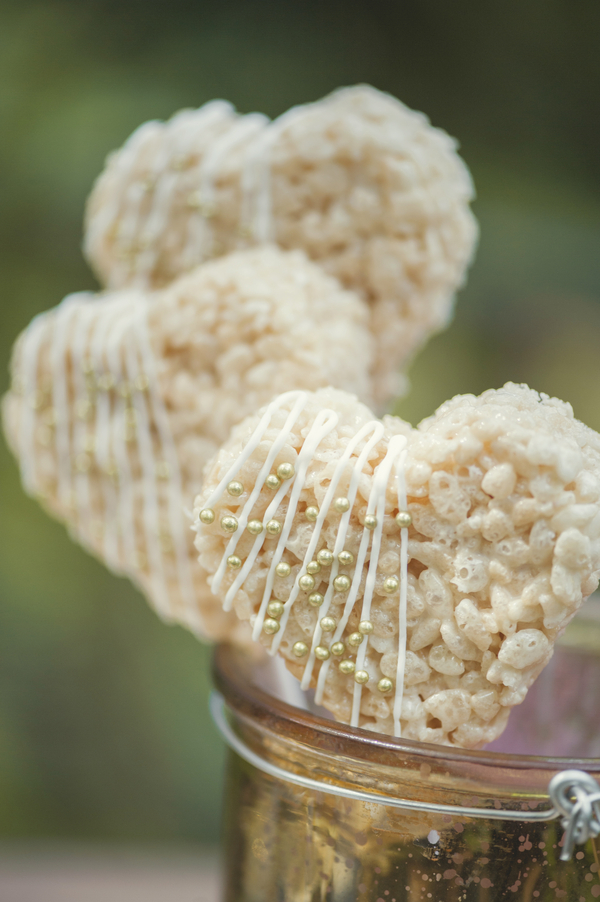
(355, 639)
(207, 516)
(328, 624)
(345, 558)
(361, 677)
(275, 609)
(106, 382)
(285, 471)
(316, 599)
(273, 528)
(370, 521)
(272, 482)
(141, 383)
(321, 652)
(365, 627)
(234, 562)
(311, 513)
(163, 470)
(229, 524)
(403, 519)
(283, 569)
(313, 567)
(337, 649)
(347, 666)
(391, 585)
(325, 557)
(235, 488)
(254, 527)
(385, 685)
(300, 649)
(306, 582)
(270, 626)
(341, 505)
(83, 462)
(342, 583)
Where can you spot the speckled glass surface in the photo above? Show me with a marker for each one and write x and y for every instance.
(283, 842)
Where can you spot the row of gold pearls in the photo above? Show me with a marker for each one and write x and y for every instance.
(105, 220)
(203, 202)
(179, 140)
(231, 524)
(139, 437)
(168, 473)
(134, 234)
(339, 648)
(82, 394)
(323, 424)
(101, 390)
(376, 509)
(404, 521)
(337, 582)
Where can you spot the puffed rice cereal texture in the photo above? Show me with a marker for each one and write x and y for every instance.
(364, 185)
(118, 401)
(504, 494)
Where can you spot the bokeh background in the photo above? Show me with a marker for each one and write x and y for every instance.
(104, 732)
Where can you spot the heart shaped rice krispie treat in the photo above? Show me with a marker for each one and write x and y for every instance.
(118, 401)
(417, 578)
(365, 186)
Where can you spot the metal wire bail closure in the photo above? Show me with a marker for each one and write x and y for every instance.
(576, 795)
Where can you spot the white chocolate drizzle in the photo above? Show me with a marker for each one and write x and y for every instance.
(109, 417)
(402, 614)
(362, 445)
(178, 143)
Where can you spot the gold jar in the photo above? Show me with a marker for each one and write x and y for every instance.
(317, 811)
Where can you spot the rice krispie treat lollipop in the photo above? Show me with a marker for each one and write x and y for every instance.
(365, 186)
(416, 578)
(118, 401)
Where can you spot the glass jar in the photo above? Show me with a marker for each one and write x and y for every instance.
(286, 842)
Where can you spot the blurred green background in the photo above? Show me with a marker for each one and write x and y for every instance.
(104, 732)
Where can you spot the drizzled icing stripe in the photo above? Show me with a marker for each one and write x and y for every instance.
(377, 432)
(402, 612)
(324, 423)
(125, 499)
(30, 350)
(181, 537)
(199, 230)
(84, 323)
(65, 312)
(376, 505)
(255, 441)
(371, 538)
(275, 449)
(257, 210)
(150, 505)
(124, 167)
(176, 143)
(102, 434)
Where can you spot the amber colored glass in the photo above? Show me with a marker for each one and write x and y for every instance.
(284, 843)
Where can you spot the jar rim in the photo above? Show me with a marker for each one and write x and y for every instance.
(234, 677)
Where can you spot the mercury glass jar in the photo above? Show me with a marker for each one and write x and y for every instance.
(286, 842)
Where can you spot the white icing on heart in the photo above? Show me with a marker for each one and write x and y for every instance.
(107, 410)
(392, 466)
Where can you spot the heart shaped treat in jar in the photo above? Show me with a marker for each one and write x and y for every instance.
(119, 400)
(365, 186)
(415, 578)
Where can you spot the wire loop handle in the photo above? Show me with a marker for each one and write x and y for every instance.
(576, 795)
